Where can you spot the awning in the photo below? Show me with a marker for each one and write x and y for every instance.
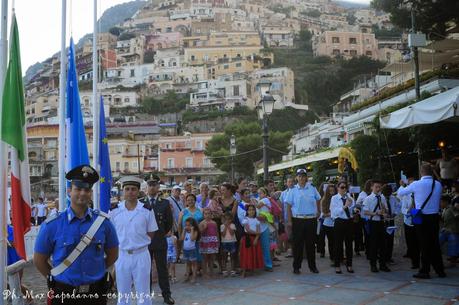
(313, 157)
(434, 109)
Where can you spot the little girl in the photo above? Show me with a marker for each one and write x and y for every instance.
(171, 255)
(251, 257)
(209, 244)
(228, 231)
(189, 237)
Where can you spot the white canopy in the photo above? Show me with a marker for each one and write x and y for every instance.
(434, 109)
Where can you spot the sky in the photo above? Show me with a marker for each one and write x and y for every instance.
(39, 24)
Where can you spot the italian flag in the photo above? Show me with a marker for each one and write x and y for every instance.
(13, 133)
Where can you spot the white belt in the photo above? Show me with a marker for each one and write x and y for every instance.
(304, 216)
(134, 251)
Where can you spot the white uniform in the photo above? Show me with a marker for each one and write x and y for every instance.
(134, 263)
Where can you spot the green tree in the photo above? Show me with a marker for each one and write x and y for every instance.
(318, 171)
(148, 57)
(366, 150)
(313, 13)
(248, 144)
(115, 31)
(432, 17)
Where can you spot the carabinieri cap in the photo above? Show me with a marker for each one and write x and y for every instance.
(83, 176)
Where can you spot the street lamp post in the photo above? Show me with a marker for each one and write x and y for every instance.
(232, 153)
(265, 108)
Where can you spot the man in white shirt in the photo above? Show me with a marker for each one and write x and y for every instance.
(427, 192)
(135, 226)
(375, 208)
(42, 211)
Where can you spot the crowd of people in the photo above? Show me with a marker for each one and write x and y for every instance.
(237, 229)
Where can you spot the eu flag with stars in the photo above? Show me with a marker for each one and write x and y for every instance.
(75, 137)
(104, 163)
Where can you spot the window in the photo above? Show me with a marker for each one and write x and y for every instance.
(168, 145)
(335, 52)
(119, 73)
(134, 165)
(235, 90)
(238, 64)
(225, 67)
(353, 52)
(353, 40)
(50, 155)
(118, 166)
(193, 58)
(126, 100)
(199, 144)
(335, 39)
(126, 166)
(132, 72)
(188, 162)
(206, 162)
(170, 163)
(368, 53)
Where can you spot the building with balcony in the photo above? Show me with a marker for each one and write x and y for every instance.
(345, 44)
(182, 158)
(282, 86)
(278, 36)
(130, 52)
(211, 55)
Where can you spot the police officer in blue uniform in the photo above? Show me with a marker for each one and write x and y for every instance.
(303, 208)
(76, 240)
(158, 247)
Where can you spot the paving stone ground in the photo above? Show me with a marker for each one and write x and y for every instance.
(282, 287)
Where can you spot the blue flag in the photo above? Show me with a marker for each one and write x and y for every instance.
(76, 148)
(104, 163)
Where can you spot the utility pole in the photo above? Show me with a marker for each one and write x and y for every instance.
(232, 154)
(414, 50)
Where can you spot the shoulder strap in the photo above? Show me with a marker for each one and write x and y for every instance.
(84, 242)
(176, 203)
(430, 195)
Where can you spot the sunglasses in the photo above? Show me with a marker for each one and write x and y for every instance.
(342, 187)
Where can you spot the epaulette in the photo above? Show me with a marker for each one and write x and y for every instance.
(103, 214)
(52, 217)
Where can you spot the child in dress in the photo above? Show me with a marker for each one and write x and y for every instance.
(171, 255)
(251, 257)
(209, 243)
(189, 237)
(228, 231)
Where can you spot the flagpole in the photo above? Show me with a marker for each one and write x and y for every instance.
(95, 110)
(62, 87)
(3, 149)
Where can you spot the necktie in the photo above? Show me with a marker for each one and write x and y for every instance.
(378, 203)
(152, 202)
(346, 210)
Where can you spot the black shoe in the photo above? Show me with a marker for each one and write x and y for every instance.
(314, 270)
(168, 300)
(384, 268)
(267, 269)
(338, 271)
(421, 275)
(349, 269)
(374, 269)
(296, 271)
(441, 274)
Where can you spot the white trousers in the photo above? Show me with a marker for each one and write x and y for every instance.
(135, 268)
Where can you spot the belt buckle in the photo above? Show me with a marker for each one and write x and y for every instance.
(130, 251)
(83, 288)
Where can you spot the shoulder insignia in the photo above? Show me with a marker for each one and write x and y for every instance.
(52, 217)
(146, 206)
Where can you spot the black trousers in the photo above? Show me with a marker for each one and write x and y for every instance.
(326, 232)
(160, 257)
(427, 234)
(69, 295)
(412, 245)
(40, 220)
(389, 243)
(304, 234)
(358, 235)
(343, 233)
(376, 240)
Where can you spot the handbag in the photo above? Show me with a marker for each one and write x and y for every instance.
(416, 214)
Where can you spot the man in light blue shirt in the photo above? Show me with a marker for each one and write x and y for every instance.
(303, 208)
(428, 231)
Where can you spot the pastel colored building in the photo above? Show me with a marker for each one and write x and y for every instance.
(346, 44)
